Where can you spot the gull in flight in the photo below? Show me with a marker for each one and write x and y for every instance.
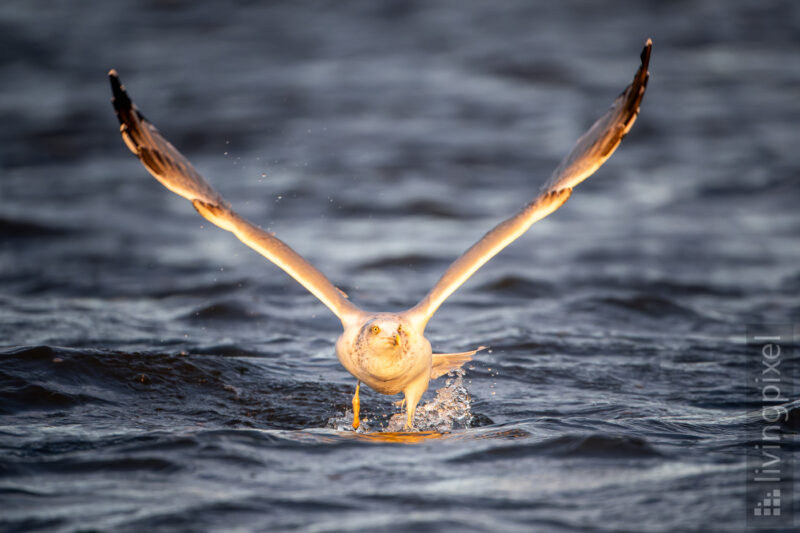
(387, 351)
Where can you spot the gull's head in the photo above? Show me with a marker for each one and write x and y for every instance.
(384, 348)
(383, 336)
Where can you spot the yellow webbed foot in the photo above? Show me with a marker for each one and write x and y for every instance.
(356, 407)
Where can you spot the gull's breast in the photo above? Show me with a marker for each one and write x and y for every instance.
(385, 373)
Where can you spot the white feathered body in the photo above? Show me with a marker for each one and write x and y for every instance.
(374, 360)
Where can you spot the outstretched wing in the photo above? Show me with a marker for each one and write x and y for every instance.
(177, 174)
(588, 154)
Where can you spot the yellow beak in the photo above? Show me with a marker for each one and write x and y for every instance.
(394, 340)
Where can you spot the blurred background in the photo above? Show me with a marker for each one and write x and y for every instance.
(155, 373)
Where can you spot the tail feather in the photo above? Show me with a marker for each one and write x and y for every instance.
(445, 362)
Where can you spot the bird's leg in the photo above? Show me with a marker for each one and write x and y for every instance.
(356, 407)
(413, 394)
(400, 403)
(410, 417)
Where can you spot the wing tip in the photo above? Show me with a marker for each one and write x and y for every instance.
(120, 99)
(634, 93)
(645, 55)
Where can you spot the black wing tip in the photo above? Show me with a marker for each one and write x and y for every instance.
(121, 100)
(634, 93)
(648, 47)
(123, 105)
(642, 76)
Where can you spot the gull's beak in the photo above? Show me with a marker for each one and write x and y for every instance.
(394, 340)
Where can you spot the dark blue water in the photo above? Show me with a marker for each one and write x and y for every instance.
(157, 375)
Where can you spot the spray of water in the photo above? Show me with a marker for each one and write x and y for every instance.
(450, 409)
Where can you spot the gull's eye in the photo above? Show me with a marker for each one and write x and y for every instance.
(399, 328)
(375, 330)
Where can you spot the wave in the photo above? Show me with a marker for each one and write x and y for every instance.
(401, 261)
(25, 229)
(520, 286)
(223, 311)
(601, 446)
(164, 388)
(644, 305)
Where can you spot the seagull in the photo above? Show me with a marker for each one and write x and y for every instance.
(386, 351)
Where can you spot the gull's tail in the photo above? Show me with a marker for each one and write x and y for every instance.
(445, 362)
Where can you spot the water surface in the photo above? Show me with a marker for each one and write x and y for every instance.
(157, 375)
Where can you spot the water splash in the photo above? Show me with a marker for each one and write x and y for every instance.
(450, 409)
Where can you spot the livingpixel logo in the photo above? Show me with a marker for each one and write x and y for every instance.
(771, 373)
